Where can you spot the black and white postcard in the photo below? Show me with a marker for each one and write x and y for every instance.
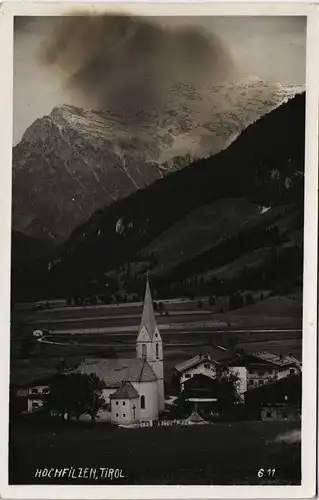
(159, 206)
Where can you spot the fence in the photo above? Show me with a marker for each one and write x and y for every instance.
(163, 423)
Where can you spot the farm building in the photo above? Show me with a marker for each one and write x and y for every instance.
(280, 399)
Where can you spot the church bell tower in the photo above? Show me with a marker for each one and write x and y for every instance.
(149, 344)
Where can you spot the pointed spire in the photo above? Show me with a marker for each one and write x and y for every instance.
(148, 316)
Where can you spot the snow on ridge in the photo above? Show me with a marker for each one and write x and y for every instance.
(264, 210)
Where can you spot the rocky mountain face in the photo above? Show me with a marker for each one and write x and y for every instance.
(74, 162)
(231, 221)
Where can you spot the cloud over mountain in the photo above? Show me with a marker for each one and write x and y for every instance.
(128, 64)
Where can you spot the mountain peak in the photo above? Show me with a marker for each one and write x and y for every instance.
(74, 161)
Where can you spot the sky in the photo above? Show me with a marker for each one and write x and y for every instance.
(270, 48)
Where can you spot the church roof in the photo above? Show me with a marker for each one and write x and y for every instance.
(148, 316)
(126, 391)
(114, 371)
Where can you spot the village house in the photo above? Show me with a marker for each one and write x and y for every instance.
(205, 364)
(251, 370)
(200, 364)
(35, 392)
(262, 368)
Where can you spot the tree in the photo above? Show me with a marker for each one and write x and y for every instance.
(228, 387)
(76, 394)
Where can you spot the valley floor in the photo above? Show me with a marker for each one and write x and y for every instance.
(272, 325)
(220, 454)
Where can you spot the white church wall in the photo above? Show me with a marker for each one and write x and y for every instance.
(150, 391)
(161, 394)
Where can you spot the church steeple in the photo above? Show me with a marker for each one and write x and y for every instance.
(149, 346)
(148, 321)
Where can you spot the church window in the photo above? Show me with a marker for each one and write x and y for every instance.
(143, 402)
(157, 351)
(144, 347)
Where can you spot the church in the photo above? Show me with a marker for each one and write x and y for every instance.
(134, 387)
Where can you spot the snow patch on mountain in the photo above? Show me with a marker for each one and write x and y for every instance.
(74, 161)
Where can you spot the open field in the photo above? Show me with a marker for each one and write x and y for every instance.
(224, 453)
(273, 311)
(273, 325)
(178, 346)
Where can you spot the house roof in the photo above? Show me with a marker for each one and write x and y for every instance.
(192, 362)
(148, 316)
(200, 381)
(275, 359)
(126, 391)
(215, 355)
(252, 359)
(265, 358)
(114, 371)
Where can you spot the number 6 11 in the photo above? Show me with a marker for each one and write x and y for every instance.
(266, 473)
